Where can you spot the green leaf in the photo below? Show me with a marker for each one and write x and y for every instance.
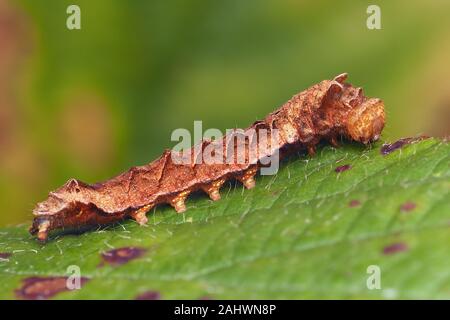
(307, 232)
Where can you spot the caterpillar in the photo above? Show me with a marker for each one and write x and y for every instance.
(327, 111)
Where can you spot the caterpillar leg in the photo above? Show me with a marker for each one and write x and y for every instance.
(247, 178)
(213, 189)
(333, 142)
(178, 201)
(140, 214)
(43, 231)
(311, 150)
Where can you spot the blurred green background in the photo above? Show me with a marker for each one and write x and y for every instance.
(90, 103)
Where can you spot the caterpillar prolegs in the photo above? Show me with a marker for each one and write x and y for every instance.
(327, 110)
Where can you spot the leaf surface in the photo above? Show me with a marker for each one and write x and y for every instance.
(307, 232)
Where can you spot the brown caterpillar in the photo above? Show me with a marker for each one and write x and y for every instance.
(327, 110)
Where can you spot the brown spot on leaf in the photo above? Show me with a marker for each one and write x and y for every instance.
(395, 248)
(149, 295)
(354, 203)
(117, 257)
(390, 147)
(206, 298)
(343, 168)
(408, 206)
(5, 255)
(39, 288)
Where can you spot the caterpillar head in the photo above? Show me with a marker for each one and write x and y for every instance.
(59, 204)
(361, 119)
(366, 120)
